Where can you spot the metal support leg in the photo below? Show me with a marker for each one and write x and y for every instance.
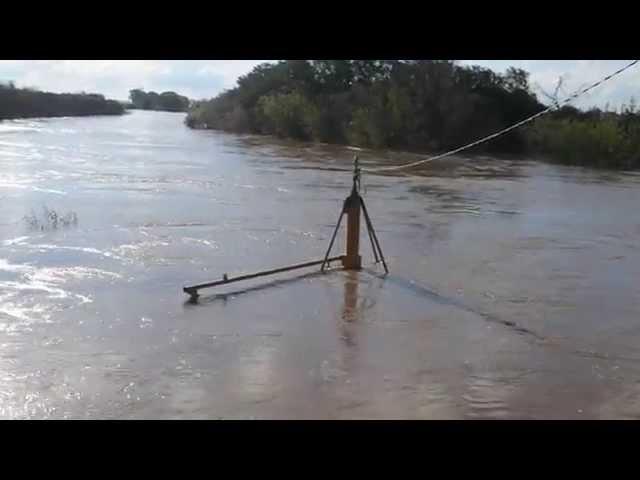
(335, 232)
(373, 233)
(373, 246)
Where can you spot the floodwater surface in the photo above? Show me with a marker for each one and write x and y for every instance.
(512, 289)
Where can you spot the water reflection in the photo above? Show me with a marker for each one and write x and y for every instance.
(350, 311)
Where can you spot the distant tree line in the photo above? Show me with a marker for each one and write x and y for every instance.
(420, 105)
(26, 103)
(166, 101)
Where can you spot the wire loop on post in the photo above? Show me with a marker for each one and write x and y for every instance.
(356, 174)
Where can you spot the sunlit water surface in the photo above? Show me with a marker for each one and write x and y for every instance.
(513, 290)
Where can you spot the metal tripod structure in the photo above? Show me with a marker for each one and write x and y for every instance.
(352, 207)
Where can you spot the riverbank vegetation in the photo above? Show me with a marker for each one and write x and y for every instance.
(28, 103)
(165, 101)
(597, 138)
(422, 105)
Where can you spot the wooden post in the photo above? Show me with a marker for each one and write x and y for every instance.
(352, 260)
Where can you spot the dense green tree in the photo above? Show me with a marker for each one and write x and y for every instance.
(288, 115)
(424, 105)
(137, 97)
(168, 101)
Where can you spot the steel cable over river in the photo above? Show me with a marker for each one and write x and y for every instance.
(504, 130)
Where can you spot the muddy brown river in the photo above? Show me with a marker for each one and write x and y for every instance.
(512, 294)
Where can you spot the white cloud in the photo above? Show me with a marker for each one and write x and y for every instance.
(114, 78)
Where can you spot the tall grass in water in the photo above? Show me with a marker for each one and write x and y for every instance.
(50, 220)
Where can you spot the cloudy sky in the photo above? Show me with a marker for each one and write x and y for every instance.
(206, 78)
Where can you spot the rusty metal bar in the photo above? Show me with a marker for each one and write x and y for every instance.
(352, 260)
(193, 290)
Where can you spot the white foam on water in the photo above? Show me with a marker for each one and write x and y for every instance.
(14, 241)
(26, 184)
(36, 292)
(12, 185)
(25, 316)
(84, 299)
(14, 127)
(9, 153)
(9, 267)
(208, 243)
(129, 248)
(44, 246)
(141, 144)
(62, 274)
(48, 190)
(15, 144)
(35, 286)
